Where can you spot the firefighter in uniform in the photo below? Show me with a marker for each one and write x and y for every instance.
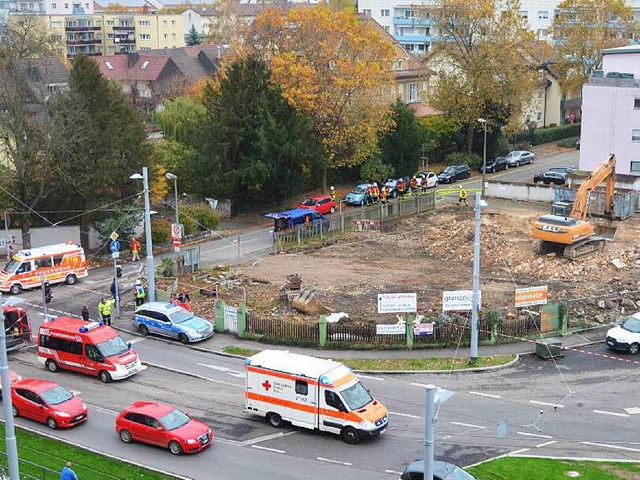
(384, 194)
(414, 184)
(332, 193)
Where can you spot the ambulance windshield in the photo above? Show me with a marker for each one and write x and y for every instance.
(356, 396)
(12, 266)
(112, 347)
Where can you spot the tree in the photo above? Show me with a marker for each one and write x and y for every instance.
(225, 27)
(582, 29)
(401, 146)
(333, 67)
(192, 36)
(481, 58)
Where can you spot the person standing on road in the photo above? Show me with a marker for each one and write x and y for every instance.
(67, 473)
(139, 293)
(106, 311)
(135, 250)
(101, 305)
(462, 196)
(85, 313)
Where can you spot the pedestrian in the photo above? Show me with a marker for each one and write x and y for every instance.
(184, 296)
(462, 196)
(332, 193)
(414, 184)
(85, 313)
(174, 299)
(401, 187)
(67, 473)
(113, 288)
(106, 311)
(383, 194)
(139, 293)
(423, 184)
(135, 250)
(101, 305)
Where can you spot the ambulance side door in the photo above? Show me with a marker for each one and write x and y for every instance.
(332, 412)
(303, 403)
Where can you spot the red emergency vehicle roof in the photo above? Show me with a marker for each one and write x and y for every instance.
(73, 326)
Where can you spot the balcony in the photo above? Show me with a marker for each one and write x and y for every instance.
(87, 41)
(128, 29)
(82, 29)
(414, 21)
(615, 82)
(414, 38)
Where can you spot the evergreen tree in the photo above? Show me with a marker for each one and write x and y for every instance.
(192, 36)
(401, 146)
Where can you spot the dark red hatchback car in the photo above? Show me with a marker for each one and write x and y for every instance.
(163, 426)
(320, 203)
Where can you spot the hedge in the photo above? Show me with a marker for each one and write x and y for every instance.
(551, 134)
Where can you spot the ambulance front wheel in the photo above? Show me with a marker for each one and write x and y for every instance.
(274, 419)
(71, 279)
(350, 435)
(15, 289)
(51, 365)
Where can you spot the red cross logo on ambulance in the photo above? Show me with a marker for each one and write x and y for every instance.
(266, 385)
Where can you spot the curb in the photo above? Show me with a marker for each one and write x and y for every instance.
(459, 370)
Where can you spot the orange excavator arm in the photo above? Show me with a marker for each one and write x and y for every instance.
(605, 171)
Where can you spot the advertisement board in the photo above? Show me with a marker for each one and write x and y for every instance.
(397, 302)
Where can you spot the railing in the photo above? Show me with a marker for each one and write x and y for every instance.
(83, 29)
(89, 41)
(282, 329)
(131, 28)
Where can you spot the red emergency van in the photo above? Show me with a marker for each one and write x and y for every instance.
(86, 347)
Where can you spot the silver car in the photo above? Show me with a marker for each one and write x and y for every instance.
(519, 157)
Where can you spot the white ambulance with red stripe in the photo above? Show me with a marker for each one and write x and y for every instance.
(312, 393)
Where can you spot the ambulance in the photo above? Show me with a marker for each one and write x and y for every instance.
(86, 347)
(312, 393)
(64, 262)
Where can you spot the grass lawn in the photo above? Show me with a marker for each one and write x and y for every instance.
(400, 363)
(52, 455)
(549, 469)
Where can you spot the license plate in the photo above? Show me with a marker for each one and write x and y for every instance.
(383, 430)
(609, 342)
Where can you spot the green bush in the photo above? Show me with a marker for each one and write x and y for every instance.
(373, 170)
(546, 135)
(160, 231)
(198, 218)
(553, 125)
(460, 158)
(568, 142)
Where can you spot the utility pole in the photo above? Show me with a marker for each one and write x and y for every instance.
(7, 410)
(429, 428)
(484, 154)
(115, 281)
(6, 235)
(475, 305)
(151, 272)
(44, 304)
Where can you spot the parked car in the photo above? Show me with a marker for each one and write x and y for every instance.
(47, 402)
(163, 426)
(13, 378)
(563, 169)
(519, 157)
(357, 196)
(391, 183)
(441, 471)
(550, 177)
(625, 337)
(298, 218)
(430, 177)
(172, 321)
(495, 165)
(453, 173)
(320, 203)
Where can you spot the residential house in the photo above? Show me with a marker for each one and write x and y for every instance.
(202, 18)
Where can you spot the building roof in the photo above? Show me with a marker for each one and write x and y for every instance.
(133, 66)
(124, 5)
(620, 50)
(421, 109)
(48, 70)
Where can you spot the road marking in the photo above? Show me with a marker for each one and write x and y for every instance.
(421, 385)
(488, 395)
(519, 451)
(546, 443)
(554, 405)
(404, 415)
(378, 379)
(615, 414)
(228, 371)
(274, 450)
(322, 459)
(606, 445)
(103, 410)
(191, 374)
(135, 340)
(632, 410)
(471, 425)
(537, 435)
(266, 438)
(393, 472)
(232, 245)
(75, 393)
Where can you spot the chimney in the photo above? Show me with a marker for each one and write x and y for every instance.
(132, 59)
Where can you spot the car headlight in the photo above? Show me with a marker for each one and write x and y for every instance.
(84, 406)
(191, 441)
(63, 414)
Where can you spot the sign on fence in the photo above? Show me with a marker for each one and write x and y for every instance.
(423, 329)
(230, 318)
(363, 225)
(397, 302)
(459, 300)
(395, 329)
(527, 297)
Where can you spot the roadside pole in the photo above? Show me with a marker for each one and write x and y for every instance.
(6, 235)
(7, 409)
(429, 437)
(115, 279)
(45, 313)
(476, 281)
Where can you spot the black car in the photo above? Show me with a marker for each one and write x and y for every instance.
(563, 169)
(441, 471)
(453, 173)
(548, 178)
(495, 165)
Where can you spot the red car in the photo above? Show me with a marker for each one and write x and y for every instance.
(163, 426)
(320, 203)
(13, 378)
(47, 402)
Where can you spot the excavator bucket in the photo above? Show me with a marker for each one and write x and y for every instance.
(606, 230)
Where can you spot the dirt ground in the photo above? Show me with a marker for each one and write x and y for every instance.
(430, 254)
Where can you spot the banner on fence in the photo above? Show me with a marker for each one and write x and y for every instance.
(527, 297)
(395, 329)
(362, 224)
(397, 302)
(230, 318)
(459, 300)
(423, 329)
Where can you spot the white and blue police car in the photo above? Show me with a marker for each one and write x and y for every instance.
(172, 321)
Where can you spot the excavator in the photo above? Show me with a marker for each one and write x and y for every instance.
(573, 236)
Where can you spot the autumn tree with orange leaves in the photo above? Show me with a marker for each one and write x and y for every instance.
(334, 67)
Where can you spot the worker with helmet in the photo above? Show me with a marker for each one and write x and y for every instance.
(332, 193)
(414, 184)
(376, 192)
(462, 195)
(384, 193)
(139, 293)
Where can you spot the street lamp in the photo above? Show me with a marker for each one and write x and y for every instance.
(171, 176)
(151, 274)
(484, 154)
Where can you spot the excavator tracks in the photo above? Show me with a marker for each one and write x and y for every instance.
(571, 252)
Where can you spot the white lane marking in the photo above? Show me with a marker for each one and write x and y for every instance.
(266, 438)
(632, 410)
(537, 435)
(404, 415)
(546, 443)
(75, 393)
(274, 450)
(228, 371)
(191, 374)
(322, 459)
(471, 425)
(606, 445)
(519, 451)
(393, 472)
(421, 385)
(488, 395)
(231, 245)
(555, 405)
(378, 379)
(133, 341)
(103, 410)
(615, 414)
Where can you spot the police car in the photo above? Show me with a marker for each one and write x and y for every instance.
(171, 321)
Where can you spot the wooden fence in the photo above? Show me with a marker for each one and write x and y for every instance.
(282, 329)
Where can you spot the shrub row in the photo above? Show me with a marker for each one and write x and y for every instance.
(551, 134)
(194, 218)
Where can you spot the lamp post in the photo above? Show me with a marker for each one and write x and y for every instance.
(171, 176)
(151, 274)
(484, 154)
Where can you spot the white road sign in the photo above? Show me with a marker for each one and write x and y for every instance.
(176, 231)
(397, 302)
(458, 300)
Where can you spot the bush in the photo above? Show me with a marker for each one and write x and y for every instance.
(160, 231)
(373, 170)
(568, 142)
(546, 135)
(553, 125)
(198, 218)
(460, 158)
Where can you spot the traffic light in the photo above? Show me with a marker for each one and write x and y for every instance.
(118, 271)
(47, 292)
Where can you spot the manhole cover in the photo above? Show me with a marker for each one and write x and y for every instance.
(573, 474)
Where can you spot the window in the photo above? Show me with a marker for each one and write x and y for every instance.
(144, 23)
(145, 36)
(110, 36)
(164, 23)
(25, 267)
(543, 33)
(173, 35)
(408, 14)
(173, 22)
(145, 65)
(527, 118)
(367, 12)
(539, 116)
(56, 24)
(384, 12)
(31, 6)
(635, 135)
(60, 344)
(543, 15)
(110, 23)
(108, 64)
(412, 93)
(91, 351)
(43, 263)
(302, 388)
(23, 7)
(636, 102)
(54, 6)
(86, 6)
(524, 14)
(332, 400)
(165, 37)
(386, 29)
(135, 417)
(635, 167)
(66, 6)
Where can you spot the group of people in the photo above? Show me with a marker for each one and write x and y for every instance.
(105, 305)
(182, 299)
